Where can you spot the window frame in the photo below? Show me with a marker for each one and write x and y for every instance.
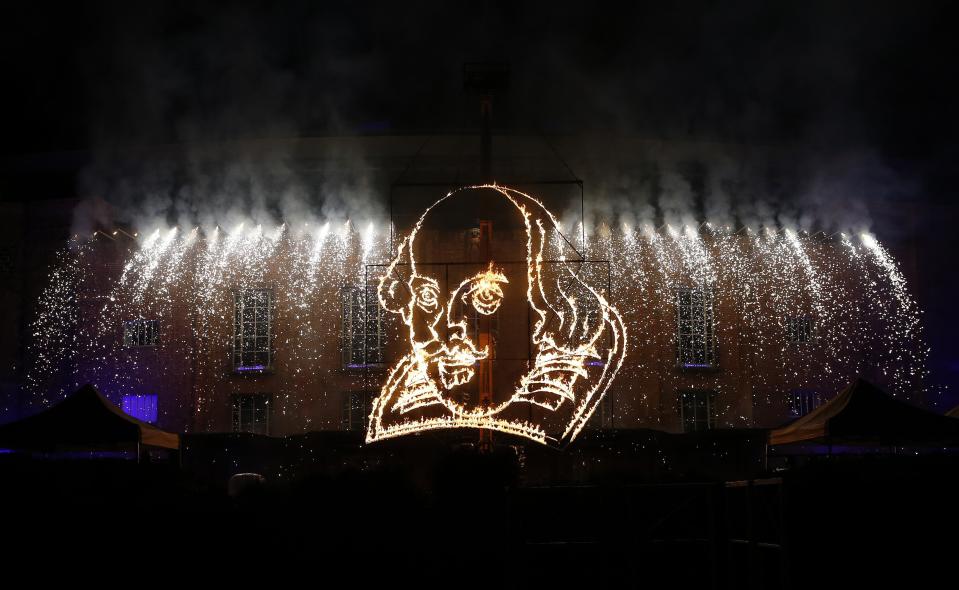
(356, 409)
(239, 361)
(591, 312)
(472, 318)
(709, 395)
(141, 333)
(710, 347)
(800, 399)
(603, 417)
(800, 326)
(357, 301)
(131, 405)
(237, 412)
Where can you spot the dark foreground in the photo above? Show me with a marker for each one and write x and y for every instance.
(436, 513)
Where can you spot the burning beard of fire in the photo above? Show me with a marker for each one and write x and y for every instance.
(573, 340)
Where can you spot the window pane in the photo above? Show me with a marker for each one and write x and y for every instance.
(252, 336)
(695, 345)
(251, 413)
(141, 333)
(696, 408)
(361, 327)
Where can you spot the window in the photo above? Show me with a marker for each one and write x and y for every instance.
(362, 327)
(799, 329)
(696, 409)
(695, 333)
(251, 413)
(591, 313)
(252, 329)
(141, 407)
(603, 414)
(356, 410)
(141, 333)
(801, 401)
(8, 260)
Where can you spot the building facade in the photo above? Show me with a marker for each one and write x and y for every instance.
(278, 329)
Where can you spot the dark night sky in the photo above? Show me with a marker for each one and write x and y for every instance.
(823, 75)
(84, 74)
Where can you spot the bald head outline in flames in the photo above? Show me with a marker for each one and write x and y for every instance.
(577, 344)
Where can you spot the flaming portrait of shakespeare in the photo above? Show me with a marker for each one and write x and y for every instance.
(510, 341)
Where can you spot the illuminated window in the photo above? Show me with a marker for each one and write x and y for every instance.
(696, 410)
(799, 329)
(141, 407)
(801, 401)
(141, 333)
(695, 331)
(356, 410)
(362, 327)
(251, 413)
(252, 329)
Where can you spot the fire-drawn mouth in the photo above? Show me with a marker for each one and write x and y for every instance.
(452, 375)
(457, 366)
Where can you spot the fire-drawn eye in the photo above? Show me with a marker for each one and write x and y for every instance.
(427, 297)
(486, 294)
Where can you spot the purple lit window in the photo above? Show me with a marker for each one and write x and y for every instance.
(141, 407)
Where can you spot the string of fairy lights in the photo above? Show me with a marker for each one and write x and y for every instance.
(865, 318)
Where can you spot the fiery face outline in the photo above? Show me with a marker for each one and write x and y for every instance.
(564, 336)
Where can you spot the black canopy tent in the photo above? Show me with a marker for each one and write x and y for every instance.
(864, 414)
(84, 421)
